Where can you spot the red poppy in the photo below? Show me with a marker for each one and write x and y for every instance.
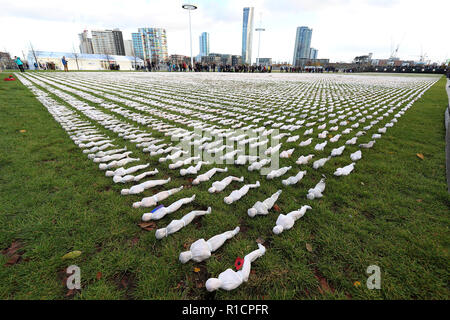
(239, 263)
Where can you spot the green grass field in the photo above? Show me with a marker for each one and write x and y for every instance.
(393, 211)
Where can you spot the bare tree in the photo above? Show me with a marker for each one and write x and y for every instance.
(75, 54)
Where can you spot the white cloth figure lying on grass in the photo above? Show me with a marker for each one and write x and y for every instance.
(345, 171)
(367, 145)
(153, 200)
(262, 208)
(258, 165)
(207, 175)
(278, 173)
(286, 222)
(117, 163)
(181, 163)
(173, 156)
(201, 250)
(237, 194)
(116, 156)
(230, 279)
(244, 159)
(294, 179)
(123, 172)
(286, 153)
(355, 156)
(320, 163)
(193, 169)
(176, 225)
(160, 211)
(105, 153)
(337, 151)
(219, 186)
(139, 188)
(132, 178)
(317, 191)
(304, 159)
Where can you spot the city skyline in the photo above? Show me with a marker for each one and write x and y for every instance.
(389, 24)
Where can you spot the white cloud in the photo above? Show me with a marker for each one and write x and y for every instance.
(342, 29)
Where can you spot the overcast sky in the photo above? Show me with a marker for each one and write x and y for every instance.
(342, 29)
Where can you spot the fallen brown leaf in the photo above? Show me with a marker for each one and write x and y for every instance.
(13, 260)
(148, 226)
(420, 155)
(309, 247)
(260, 240)
(419, 200)
(98, 276)
(276, 208)
(196, 270)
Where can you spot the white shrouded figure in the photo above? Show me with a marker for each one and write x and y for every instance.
(123, 172)
(116, 163)
(259, 165)
(219, 186)
(337, 151)
(237, 194)
(230, 279)
(139, 188)
(201, 250)
(173, 156)
(153, 200)
(320, 146)
(176, 225)
(320, 163)
(355, 156)
(207, 175)
(317, 191)
(345, 171)
(262, 208)
(161, 211)
(286, 222)
(243, 159)
(278, 173)
(294, 179)
(286, 153)
(193, 169)
(116, 156)
(181, 163)
(130, 177)
(304, 159)
(306, 142)
(367, 145)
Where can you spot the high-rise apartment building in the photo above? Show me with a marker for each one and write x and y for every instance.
(302, 45)
(247, 35)
(313, 53)
(85, 43)
(204, 44)
(151, 44)
(129, 50)
(108, 42)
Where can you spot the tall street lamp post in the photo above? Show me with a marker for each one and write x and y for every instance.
(190, 7)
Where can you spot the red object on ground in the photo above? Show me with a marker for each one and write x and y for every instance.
(239, 263)
(10, 78)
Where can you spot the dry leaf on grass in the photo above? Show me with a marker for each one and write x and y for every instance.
(420, 155)
(98, 276)
(276, 208)
(148, 226)
(196, 270)
(309, 247)
(71, 255)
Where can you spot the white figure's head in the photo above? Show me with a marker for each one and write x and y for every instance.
(213, 284)
(125, 192)
(183, 172)
(252, 212)
(161, 233)
(278, 229)
(137, 204)
(228, 200)
(109, 173)
(212, 190)
(185, 256)
(103, 166)
(147, 216)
